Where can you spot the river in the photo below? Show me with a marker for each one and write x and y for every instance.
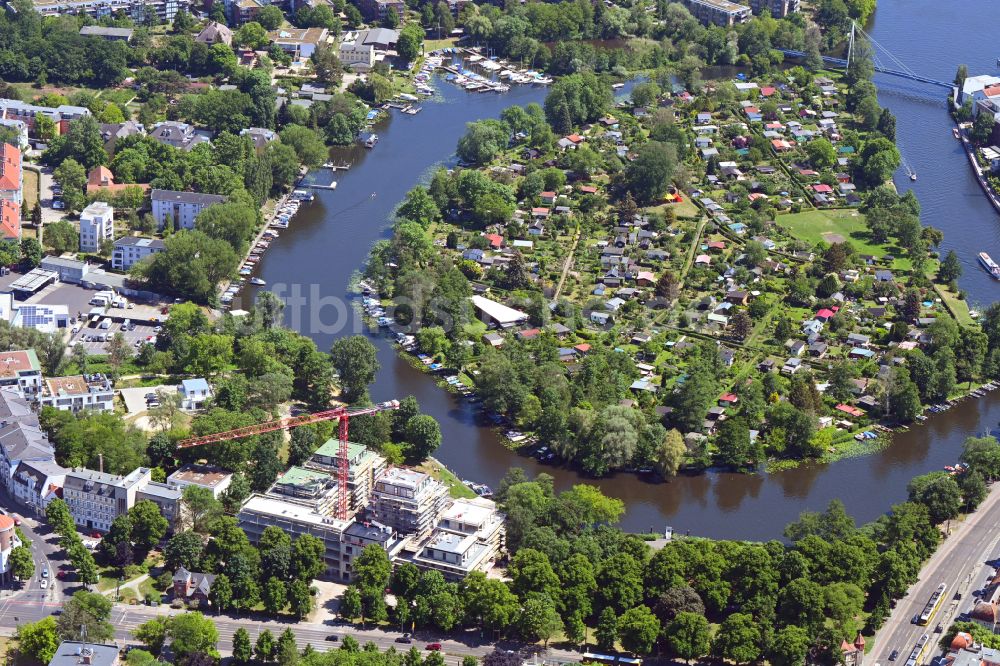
(329, 239)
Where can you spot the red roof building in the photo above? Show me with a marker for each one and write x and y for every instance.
(728, 398)
(823, 188)
(588, 189)
(10, 219)
(767, 91)
(583, 347)
(101, 178)
(496, 240)
(824, 314)
(11, 177)
(847, 409)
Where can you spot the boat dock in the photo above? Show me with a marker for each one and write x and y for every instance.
(331, 186)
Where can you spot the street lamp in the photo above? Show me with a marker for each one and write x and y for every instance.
(118, 596)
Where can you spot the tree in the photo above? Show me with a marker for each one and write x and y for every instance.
(738, 639)
(648, 176)
(350, 603)
(741, 324)
(688, 636)
(606, 633)
(982, 128)
(638, 629)
(22, 564)
(199, 504)
(356, 363)
(307, 143)
(192, 633)
(939, 492)
(264, 649)
(274, 595)
(118, 351)
(300, 598)
(221, 594)
(670, 454)
(61, 236)
(950, 268)
(308, 556)
(72, 176)
(270, 17)
(420, 207)
(242, 648)
(153, 633)
(423, 434)
(148, 524)
(483, 140)
(539, 620)
(90, 610)
(821, 153)
(38, 640)
(411, 38)
(789, 646)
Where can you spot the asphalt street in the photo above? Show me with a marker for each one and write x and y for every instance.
(960, 563)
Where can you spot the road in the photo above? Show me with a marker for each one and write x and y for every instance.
(960, 563)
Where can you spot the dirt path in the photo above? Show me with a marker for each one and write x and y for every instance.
(692, 251)
(566, 265)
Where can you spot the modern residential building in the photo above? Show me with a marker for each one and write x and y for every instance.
(364, 466)
(177, 134)
(37, 482)
(718, 12)
(42, 318)
(8, 541)
(62, 116)
(181, 207)
(308, 487)
(342, 539)
(361, 49)
(137, 10)
(239, 12)
(130, 250)
(778, 8)
(97, 225)
(376, 10)
(213, 478)
(112, 133)
(215, 33)
(10, 220)
(468, 538)
(21, 370)
(194, 393)
(78, 393)
(11, 174)
(95, 499)
(110, 34)
(71, 653)
(977, 89)
(406, 500)
(299, 43)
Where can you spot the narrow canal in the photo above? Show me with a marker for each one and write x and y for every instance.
(330, 239)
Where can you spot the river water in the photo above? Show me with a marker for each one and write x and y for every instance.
(330, 238)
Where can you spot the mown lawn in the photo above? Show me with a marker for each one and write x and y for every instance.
(831, 226)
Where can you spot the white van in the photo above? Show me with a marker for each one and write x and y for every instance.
(106, 323)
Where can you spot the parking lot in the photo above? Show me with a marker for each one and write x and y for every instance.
(135, 398)
(92, 336)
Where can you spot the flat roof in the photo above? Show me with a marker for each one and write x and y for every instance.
(200, 475)
(72, 653)
(302, 477)
(13, 363)
(498, 311)
(67, 386)
(33, 280)
(278, 508)
(186, 197)
(140, 242)
(475, 511)
(101, 31)
(400, 476)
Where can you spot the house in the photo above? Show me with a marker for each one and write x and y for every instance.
(858, 340)
(883, 276)
(77, 393)
(299, 43)
(215, 33)
(791, 366)
(491, 312)
(818, 349)
(600, 318)
(260, 137)
(101, 178)
(795, 347)
(190, 586)
(194, 393)
(853, 654)
(181, 208)
(177, 134)
(129, 250)
(849, 410)
(528, 334)
(702, 260)
(97, 226)
(727, 356)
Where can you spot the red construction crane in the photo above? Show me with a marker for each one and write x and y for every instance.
(343, 414)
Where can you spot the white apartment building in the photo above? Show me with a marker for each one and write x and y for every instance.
(180, 207)
(37, 482)
(97, 224)
(77, 393)
(95, 499)
(137, 10)
(215, 479)
(22, 370)
(467, 538)
(130, 250)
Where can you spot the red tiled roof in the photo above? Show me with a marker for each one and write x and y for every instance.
(575, 138)
(588, 189)
(767, 91)
(991, 91)
(728, 397)
(530, 333)
(10, 167)
(847, 409)
(583, 347)
(825, 313)
(547, 195)
(495, 240)
(823, 187)
(10, 219)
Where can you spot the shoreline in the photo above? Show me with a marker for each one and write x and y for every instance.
(970, 153)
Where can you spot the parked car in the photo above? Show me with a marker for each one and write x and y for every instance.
(58, 204)
(435, 647)
(45, 572)
(333, 638)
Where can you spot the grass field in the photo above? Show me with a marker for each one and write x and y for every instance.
(30, 189)
(831, 226)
